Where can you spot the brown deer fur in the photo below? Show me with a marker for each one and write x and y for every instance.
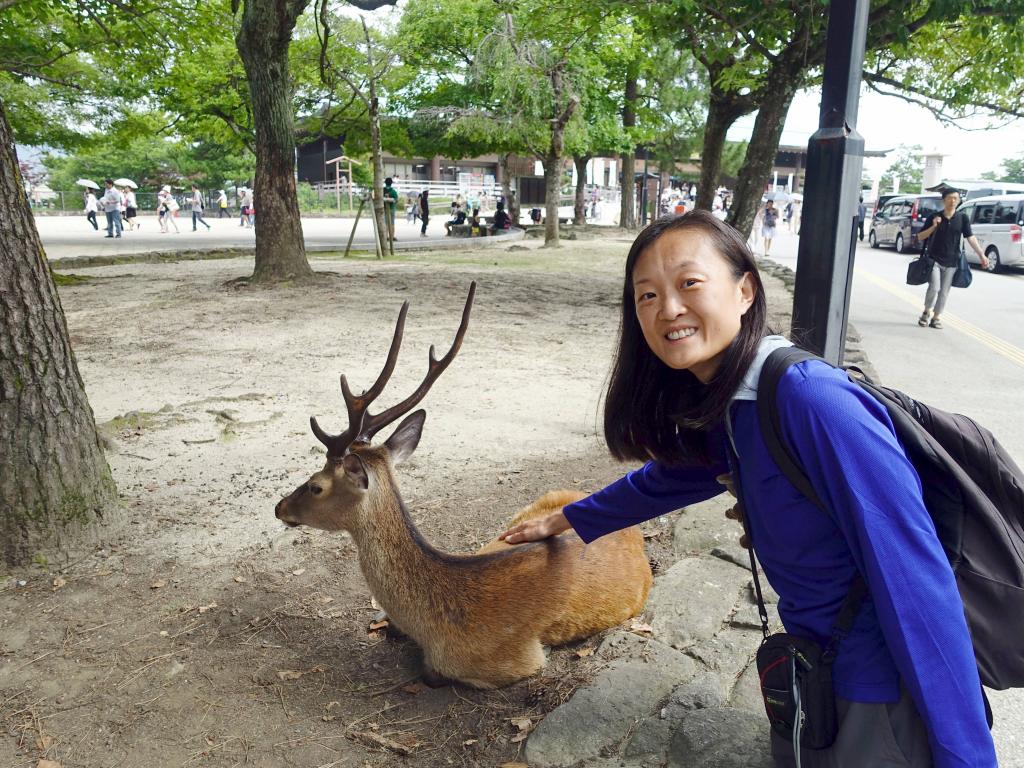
(480, 619)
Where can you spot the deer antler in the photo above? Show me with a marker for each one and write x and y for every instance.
(363, 425)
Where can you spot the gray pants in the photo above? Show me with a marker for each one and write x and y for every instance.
(875, 735)
(939, 284)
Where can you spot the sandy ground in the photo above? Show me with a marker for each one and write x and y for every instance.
(205, 633)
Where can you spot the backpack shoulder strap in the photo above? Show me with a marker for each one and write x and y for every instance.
(775, 366)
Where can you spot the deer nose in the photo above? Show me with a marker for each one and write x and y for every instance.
(314, 489)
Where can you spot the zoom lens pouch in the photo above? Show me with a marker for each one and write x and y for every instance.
(796, 686)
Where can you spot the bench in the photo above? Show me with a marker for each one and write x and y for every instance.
(465, 230)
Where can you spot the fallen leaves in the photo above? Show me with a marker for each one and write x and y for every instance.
(298, 571)
(525, 725)
(58, 583)
(158, 584)
(584, 652)
(401, 745)
(241, 579)
(640, 627)
(205, 608)
(295, 674)
(375, 625)
(44, 763)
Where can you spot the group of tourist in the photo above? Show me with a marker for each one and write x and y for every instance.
(120, 206)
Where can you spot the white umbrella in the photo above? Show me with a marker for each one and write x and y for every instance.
(125, 183)
(87, 183)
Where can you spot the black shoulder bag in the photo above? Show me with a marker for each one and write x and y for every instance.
(920, 269)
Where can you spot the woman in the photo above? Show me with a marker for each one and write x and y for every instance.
(424, 211)
(91, 207)
(683, 393)
(131, 208)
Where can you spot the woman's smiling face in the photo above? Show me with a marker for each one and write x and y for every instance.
(688, 302)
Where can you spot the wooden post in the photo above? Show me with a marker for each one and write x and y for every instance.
(337, 185)
(351, 237)
(350, 184)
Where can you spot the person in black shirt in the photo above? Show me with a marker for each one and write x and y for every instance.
(501, 220)
(458, 217)
(944, 248)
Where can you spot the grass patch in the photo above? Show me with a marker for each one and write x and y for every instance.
(69, 279)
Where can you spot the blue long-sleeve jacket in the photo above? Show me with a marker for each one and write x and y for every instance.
(911, 627)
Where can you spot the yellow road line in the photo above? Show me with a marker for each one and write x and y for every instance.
(1011, 352)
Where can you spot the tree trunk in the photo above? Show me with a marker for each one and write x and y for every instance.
(580, 204)
(565, 104)
(262, 41)
(627, 206)
(722, 113)
(54, 480)
(511, 200)
(379, 214)
(552, 190)
(761, 151)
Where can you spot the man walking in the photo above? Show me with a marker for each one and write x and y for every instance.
(112, 208)
(197, 209)
(944, 249)
(862, 212)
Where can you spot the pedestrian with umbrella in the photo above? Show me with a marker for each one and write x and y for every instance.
(91, 204)
(131, 209)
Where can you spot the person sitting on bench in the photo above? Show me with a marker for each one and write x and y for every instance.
(501, 221)
(476, 227)
(460, 218)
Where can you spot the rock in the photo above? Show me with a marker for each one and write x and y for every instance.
(733, 553)
(768, 594)
(702, 692)
(702, 527)
(721, 738)
(594, 722)
(693, 599)
(651, 740)
(747, 617)
(746, 694)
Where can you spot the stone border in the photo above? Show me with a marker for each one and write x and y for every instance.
(231, 252)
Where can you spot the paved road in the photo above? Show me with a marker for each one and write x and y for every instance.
(975, 365)
(71, 236)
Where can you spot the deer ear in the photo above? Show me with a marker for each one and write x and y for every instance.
(404, 440)
(356, 470)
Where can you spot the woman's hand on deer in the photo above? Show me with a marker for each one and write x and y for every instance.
(536, 529)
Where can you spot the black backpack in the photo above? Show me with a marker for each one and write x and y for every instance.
(974, 493)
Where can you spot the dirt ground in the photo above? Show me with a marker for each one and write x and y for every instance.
(205, 633)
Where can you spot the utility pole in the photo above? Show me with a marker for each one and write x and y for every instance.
(835, 157)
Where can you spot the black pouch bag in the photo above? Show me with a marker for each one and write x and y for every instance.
(795, 676)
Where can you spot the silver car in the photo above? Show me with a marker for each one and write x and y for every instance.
(998, 223)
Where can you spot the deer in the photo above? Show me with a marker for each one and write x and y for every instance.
(480, 619)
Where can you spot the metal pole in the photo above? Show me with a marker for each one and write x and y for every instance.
(350, 185)
(337, 185)
(835, 156)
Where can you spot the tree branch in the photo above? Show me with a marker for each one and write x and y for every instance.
(371, 5)
(903, 92)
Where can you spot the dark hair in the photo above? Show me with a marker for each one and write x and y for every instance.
(388, 182)
(109, 181)
(949, 191)
(652, 410)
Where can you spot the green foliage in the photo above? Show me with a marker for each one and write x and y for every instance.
(1012, 171)
(133, 147)
(908, 166)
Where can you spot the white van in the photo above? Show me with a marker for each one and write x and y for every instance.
(998, 223)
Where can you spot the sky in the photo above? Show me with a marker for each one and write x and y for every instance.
(886, 122)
